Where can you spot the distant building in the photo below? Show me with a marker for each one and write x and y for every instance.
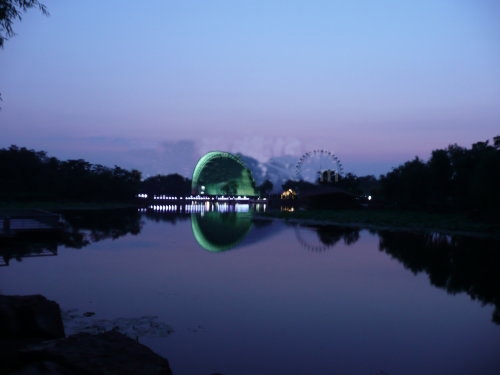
(327, 197)
(222, 173)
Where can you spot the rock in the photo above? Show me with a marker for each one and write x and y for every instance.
(30, 317)
(103, 354)
(25, 321)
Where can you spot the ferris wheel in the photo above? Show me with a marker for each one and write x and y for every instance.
(318, 165)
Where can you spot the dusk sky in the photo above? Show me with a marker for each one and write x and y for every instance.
(154, 85)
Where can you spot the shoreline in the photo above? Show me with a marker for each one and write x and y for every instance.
(70, 205)
(377, 219)
(453, 224)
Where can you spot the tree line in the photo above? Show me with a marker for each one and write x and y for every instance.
(454, 178)
(33, 175)
(172, 185)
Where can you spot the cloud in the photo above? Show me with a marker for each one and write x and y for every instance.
(168, 157)
(259, 147)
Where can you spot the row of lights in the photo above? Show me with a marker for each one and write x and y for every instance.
(198, 198)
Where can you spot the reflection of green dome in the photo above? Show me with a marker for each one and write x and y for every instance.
(221, 173)
(217, 231)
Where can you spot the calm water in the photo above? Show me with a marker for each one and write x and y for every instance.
(225, 293)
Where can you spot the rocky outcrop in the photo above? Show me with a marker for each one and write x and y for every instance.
(103, 354)
(26, 322)
(30, 317)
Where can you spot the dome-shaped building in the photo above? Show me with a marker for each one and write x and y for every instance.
(222, 173)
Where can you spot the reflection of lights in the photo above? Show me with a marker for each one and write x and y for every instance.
(164, 207)
(260, 207)
(202, 207)
(242, 207)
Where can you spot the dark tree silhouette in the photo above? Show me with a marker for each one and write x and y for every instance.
(266, 188)
(31, 175)
(172, 184)
(11, 10)
(406, 184)
(455, 178)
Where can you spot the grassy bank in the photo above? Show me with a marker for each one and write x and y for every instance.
(409, 220)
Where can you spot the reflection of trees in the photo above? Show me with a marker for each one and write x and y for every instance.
(85, 227)
(22, 248)
(328, 235)
(259, 223)
(170, 217)
(454, 263)
(80, 229)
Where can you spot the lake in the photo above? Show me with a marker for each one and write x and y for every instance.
(232, 293)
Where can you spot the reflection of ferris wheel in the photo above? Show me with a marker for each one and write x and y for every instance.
(318, 165)
(308, 238)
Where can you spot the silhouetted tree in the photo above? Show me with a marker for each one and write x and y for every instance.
(496, 142)
(172, 184)
(11, 10)
(407, 184)
(440, 176)
(368, 184)
(349, 182)
(454, 178)
(265, 188)
(27, 174)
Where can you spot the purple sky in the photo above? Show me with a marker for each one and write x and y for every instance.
(154, 85)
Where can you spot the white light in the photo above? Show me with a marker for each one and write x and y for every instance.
(369, 197)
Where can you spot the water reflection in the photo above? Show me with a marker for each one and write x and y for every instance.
(84, 227)
(222, 226)
(220, 231)
(78, 230)
(325, 237)
(27, 248)
(171, 214)
(217, 230)
(455, 263)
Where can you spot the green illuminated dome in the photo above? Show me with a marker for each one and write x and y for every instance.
(222, 173)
